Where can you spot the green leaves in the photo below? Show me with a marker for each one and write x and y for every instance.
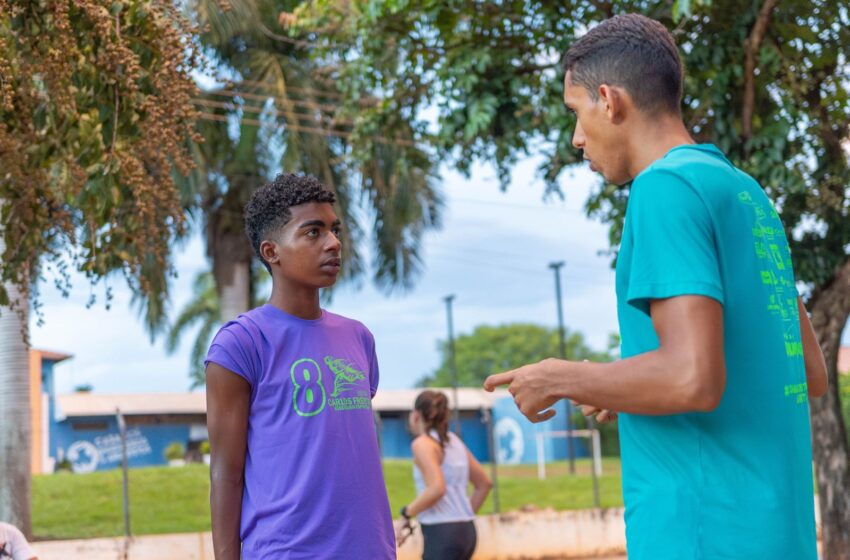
(493, 349)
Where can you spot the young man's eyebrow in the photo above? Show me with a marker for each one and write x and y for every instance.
(320, 223)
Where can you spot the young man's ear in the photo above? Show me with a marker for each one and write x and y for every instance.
(615, 101)
(268, 251)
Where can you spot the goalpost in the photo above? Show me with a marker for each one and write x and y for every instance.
(596, 453)
(592, 435)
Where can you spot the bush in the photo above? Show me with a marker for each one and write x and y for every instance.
(205, 448)
(175, 450)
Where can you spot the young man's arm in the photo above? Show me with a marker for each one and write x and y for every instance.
(686, 373)
(816, 377)
(228, 401)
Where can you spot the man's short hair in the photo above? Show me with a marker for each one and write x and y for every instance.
(268, 209)
(633, 52)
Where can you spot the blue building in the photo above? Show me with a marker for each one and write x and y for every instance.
(83, 427)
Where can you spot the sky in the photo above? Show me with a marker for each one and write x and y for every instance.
(492, 253)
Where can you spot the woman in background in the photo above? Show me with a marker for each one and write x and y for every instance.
(443, 467)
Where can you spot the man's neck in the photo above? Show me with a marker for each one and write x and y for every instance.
(298, 301)
(653, 138)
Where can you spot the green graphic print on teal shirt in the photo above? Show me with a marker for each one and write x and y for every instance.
(735, 482)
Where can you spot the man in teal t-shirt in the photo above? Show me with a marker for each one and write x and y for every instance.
(719, 356)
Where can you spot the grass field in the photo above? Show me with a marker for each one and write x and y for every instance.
(175, 500)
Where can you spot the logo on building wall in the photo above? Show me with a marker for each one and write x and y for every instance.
(85, 456)
(509, 440)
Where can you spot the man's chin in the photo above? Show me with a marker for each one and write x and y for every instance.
(619, 181)
(327, 282)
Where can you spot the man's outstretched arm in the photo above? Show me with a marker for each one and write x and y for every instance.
(228, 401)
(686, 373)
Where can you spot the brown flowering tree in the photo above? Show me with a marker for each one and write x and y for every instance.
(95, 115)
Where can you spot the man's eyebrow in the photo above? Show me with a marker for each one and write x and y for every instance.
(311, 223)
(320, 223)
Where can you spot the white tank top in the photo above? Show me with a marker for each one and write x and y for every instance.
(454, 505)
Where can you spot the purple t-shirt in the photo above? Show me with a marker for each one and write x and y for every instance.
(314, 487)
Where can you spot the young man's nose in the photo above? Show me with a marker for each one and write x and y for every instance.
(333, 243)
(578, 137)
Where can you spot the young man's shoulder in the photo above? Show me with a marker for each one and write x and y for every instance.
(335, 319)
(248, 322)
(693, 165)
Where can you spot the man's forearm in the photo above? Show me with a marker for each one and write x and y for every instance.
(650, 383)
(226, 509)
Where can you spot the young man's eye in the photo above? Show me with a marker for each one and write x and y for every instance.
(314, 232)
(337, 231)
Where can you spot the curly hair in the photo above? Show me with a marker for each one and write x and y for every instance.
(268, 209)
(634, 52)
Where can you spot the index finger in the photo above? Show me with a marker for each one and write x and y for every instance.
(498, 379)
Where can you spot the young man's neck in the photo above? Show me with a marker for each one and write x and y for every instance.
(653, 137)
(298, 301)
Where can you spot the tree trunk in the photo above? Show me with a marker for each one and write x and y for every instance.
(234, 289)
(830, 310)
(15, 422)
(231, 254)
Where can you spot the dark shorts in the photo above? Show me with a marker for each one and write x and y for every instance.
(449, 541)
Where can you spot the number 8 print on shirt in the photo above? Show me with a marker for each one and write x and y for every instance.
(309, 396)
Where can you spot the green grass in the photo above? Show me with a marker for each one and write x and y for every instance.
(176, 500)
(163, 500)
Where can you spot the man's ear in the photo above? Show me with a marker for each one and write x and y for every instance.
(269, 252)
(616, 102)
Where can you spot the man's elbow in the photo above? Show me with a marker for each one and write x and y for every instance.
(224, 474)
(818, 387)
(817, 392)
(705, 389)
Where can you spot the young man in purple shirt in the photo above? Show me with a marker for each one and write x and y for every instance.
(295, 470)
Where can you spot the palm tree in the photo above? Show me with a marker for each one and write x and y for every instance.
(275, 94)
(204, 309)
(14, 402)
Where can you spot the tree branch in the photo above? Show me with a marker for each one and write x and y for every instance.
(752, 46)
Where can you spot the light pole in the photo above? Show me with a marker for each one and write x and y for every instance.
(452, 362)
(562, 349)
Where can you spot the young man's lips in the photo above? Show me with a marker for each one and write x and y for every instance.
(334, 264)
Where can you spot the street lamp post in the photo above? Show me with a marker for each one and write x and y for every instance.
(562, 349)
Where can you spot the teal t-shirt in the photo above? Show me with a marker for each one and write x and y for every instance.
(735, 482)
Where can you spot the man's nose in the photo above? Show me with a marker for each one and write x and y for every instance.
(578, 137)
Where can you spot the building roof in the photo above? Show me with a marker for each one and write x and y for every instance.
(389, 400)
(52, 356)
(844, 359)
(469, 398)
(96, 404)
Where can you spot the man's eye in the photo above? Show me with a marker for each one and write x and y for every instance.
(312, 232)
(337, 231)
